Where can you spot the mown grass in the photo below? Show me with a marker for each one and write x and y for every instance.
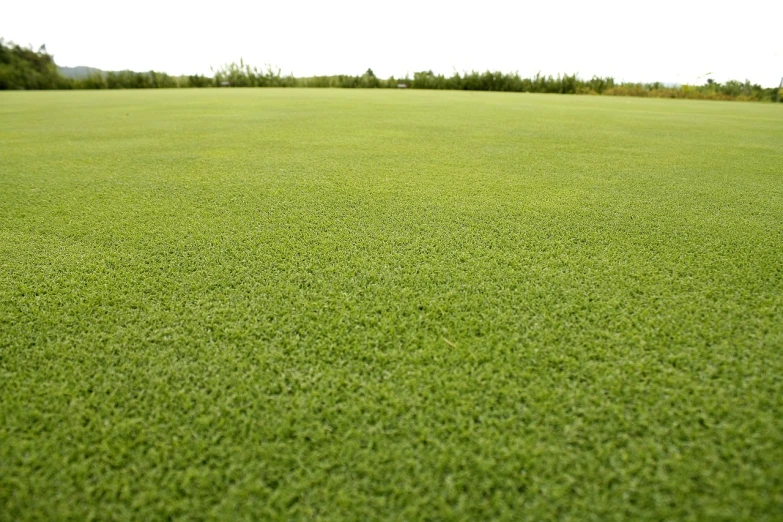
(294, 304)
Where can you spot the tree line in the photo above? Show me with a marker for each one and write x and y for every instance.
(25, 68)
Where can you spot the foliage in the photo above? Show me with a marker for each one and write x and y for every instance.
(243, 75)
(197, 80)
(712, 90)
(22, 68)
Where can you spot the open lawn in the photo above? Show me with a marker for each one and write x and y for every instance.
(357, 305)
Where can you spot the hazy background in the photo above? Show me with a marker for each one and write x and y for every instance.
(666, 41)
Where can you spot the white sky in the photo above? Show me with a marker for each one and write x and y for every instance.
(671, 41)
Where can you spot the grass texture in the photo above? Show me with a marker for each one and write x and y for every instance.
(359, 305)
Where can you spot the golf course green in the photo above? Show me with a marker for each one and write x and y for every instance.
(271, 304)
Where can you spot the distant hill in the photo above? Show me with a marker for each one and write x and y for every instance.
(78, 73)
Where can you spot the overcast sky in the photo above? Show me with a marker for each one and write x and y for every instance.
(672, 41)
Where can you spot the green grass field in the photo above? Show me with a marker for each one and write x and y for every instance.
(356, 305)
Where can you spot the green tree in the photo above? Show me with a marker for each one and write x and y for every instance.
(24, 68)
